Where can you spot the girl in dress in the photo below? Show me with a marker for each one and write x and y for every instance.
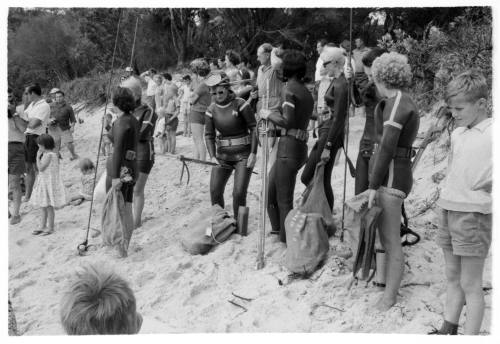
(48, 192)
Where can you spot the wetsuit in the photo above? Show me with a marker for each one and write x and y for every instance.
(296, 110)
(145, 150)
(330, 132)
(230, 137)
(124, 136)
(369, 98)
(396, 127)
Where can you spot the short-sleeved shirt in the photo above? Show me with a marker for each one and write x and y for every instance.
(467, 186)
(152, 85)
(204, 100)
(63, 114)
(41, 110)
(275, 87)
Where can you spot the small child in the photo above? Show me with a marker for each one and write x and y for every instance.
(106, 142)
(98, 301)
(87, 188)
(160, 134)
(48, 192)
(465, 233)
(184, 97)
(171, 123)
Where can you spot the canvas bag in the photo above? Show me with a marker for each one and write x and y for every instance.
(208, 234)
(113, 228)
(306, 229)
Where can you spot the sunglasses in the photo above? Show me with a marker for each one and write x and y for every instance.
(326, 63)
(219, 93)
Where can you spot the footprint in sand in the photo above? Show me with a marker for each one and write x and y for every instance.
(144, 277)
(21, 242)
(23, 286)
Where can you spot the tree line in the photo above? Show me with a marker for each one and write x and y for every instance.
(54, 45)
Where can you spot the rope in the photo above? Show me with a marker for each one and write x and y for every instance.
(133, 44)
(347, 125)
(83, 247)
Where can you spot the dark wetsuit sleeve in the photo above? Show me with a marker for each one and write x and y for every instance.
(288, 108)
(210, 131)
(397, 117)
(339, 113)
(147, 125)
(121, 133)
(246, 111)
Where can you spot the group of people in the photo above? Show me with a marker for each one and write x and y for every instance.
(38, 128)
(226, 111)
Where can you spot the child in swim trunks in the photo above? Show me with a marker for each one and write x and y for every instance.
(465, 233)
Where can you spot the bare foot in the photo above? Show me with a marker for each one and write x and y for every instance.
(384, 305)
(122, 252)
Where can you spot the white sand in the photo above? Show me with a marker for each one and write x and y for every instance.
(184, 293)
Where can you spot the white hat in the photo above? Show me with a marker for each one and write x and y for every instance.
(333, 54)
(134, 85)
(54, 90)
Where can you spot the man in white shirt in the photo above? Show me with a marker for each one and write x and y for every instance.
(37, 113)
(149, 77)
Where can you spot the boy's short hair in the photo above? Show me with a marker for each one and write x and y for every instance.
(471, 84)
(86, 164)
(167, 76)
(46, 140)
(186, 77)
(98, 301)
(371, 55)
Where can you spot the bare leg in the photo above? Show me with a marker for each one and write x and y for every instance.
(71, 149)
(139, 186)
(455, 296)
(43, 218)
(200, 149)
(172, 142)
(128, 222)
(471, 281)
(390, 239)
(30, 179)
(50, 218)
(15, 186)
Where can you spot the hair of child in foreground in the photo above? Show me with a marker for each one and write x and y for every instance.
(98, 301)
(471, 84)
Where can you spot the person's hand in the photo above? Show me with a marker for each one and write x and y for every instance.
(252, 159)
(371, 197)
(348, 72)
(116, 182)
(254, 94)
(263, 113)
(325, 155)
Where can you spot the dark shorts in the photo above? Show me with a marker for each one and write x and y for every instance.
(30, 148)
(145, 166)
(16, 165)
(197, 117)
(172, 126)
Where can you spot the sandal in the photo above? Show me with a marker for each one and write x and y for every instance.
(37, 231)
(45, 233)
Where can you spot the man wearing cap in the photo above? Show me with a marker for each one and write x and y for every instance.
(62, 123)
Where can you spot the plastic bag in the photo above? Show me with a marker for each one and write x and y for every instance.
(114, 230)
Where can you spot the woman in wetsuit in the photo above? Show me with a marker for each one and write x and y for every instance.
(121, 166)
(369, 98)
(145, 149)
(230, 138)
(331, 131)
(396, 127)
(292, 147)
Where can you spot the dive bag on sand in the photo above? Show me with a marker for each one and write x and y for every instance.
(207, 234)
(306, 229)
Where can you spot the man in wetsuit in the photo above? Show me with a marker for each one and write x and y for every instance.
(230, 137)
(296, 110)
(331, 132)
(369, 98)
(147, 118)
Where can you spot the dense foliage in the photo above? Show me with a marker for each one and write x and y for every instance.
(56, 46)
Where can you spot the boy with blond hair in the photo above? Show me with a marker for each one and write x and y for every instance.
(465, 232)
(99, 301)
